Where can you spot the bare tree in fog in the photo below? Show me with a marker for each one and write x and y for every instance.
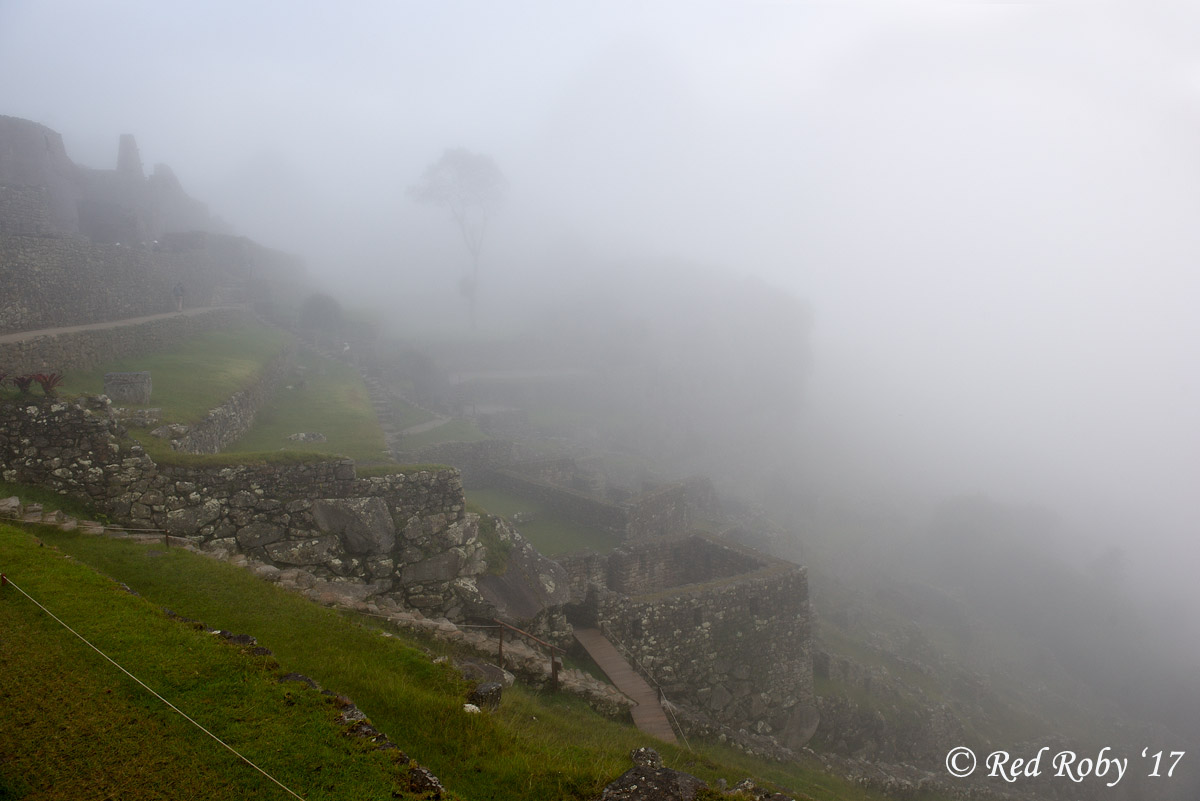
(472, 187)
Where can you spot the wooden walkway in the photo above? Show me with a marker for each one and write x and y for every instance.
(648, 714)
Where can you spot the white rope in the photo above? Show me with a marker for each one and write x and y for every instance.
(152, 692)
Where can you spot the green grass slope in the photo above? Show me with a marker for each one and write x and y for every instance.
(197, 376)
(537, 746)
(77, 727)
(325, 396)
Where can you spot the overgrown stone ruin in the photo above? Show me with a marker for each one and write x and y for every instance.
(718, 627)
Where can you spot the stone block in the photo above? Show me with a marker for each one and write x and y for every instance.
(257, 534)
(303, 552)
(487, 695)
(443, 567)
(363, 524)
(10, 508)
(128, 387)
(189, 520)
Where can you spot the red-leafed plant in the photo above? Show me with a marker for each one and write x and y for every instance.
(49, 382)
(23, 382)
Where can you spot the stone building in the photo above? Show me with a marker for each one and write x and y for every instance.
(719, 627)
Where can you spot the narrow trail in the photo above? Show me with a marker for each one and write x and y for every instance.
(648, 715)
(21, 336)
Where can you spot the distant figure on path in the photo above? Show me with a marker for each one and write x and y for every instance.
(178, 293)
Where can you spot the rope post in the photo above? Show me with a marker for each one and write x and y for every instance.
(553, 672)
(167, 540)
(502, 646)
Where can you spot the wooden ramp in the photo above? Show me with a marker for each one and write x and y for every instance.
(648, 714)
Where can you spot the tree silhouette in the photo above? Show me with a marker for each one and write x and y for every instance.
(472, 188)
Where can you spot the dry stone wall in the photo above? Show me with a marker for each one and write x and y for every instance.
(60, 280)
(51, 281)
(403, 536)
(223, 425)
(658, 514)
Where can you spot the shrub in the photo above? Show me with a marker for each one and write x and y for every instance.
(49, 382)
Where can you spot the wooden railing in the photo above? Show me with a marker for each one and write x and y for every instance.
(552, 649)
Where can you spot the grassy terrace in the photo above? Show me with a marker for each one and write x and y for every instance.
(197, 376)
(325, 397)
(548, 531)
(332, 400)
(80, 723)
(452, 431)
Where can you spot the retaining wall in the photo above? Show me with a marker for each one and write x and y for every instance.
(223, 425)
(407, 536)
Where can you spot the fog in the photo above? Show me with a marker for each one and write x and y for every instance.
(988, 209)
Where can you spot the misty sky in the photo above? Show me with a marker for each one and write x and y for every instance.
(991, 207)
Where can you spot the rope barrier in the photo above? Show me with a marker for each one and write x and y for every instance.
(6, 581)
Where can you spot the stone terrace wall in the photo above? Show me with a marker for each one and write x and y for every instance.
(659, 513)
(25, 210)
(404, 536)
(55, 281)
(676, 563)
(476, 460)
(233, 418)
(736, 645)
(84, 349)
(51, 281)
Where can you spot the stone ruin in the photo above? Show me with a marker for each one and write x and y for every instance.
(134, 388)
(718, 627)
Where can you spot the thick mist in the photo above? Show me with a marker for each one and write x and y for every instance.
(971, 226)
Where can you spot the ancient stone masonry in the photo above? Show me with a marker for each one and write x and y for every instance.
(720, 628)
(404, 536)
(83, 246)
(223, 425)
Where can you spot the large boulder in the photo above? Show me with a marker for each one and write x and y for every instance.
(648, 780)
(443, 567)
(527, 583)
(363, 524)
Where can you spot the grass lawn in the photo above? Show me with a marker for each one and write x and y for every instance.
(407, 415)
(77, 727)
(332, 401)
(453, 431)
(197, 376)
(537, 746)
(548, 531)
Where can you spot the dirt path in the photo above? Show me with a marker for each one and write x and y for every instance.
(21, 336)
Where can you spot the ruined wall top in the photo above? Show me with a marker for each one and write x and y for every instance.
(106, 206)
(129, 160)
